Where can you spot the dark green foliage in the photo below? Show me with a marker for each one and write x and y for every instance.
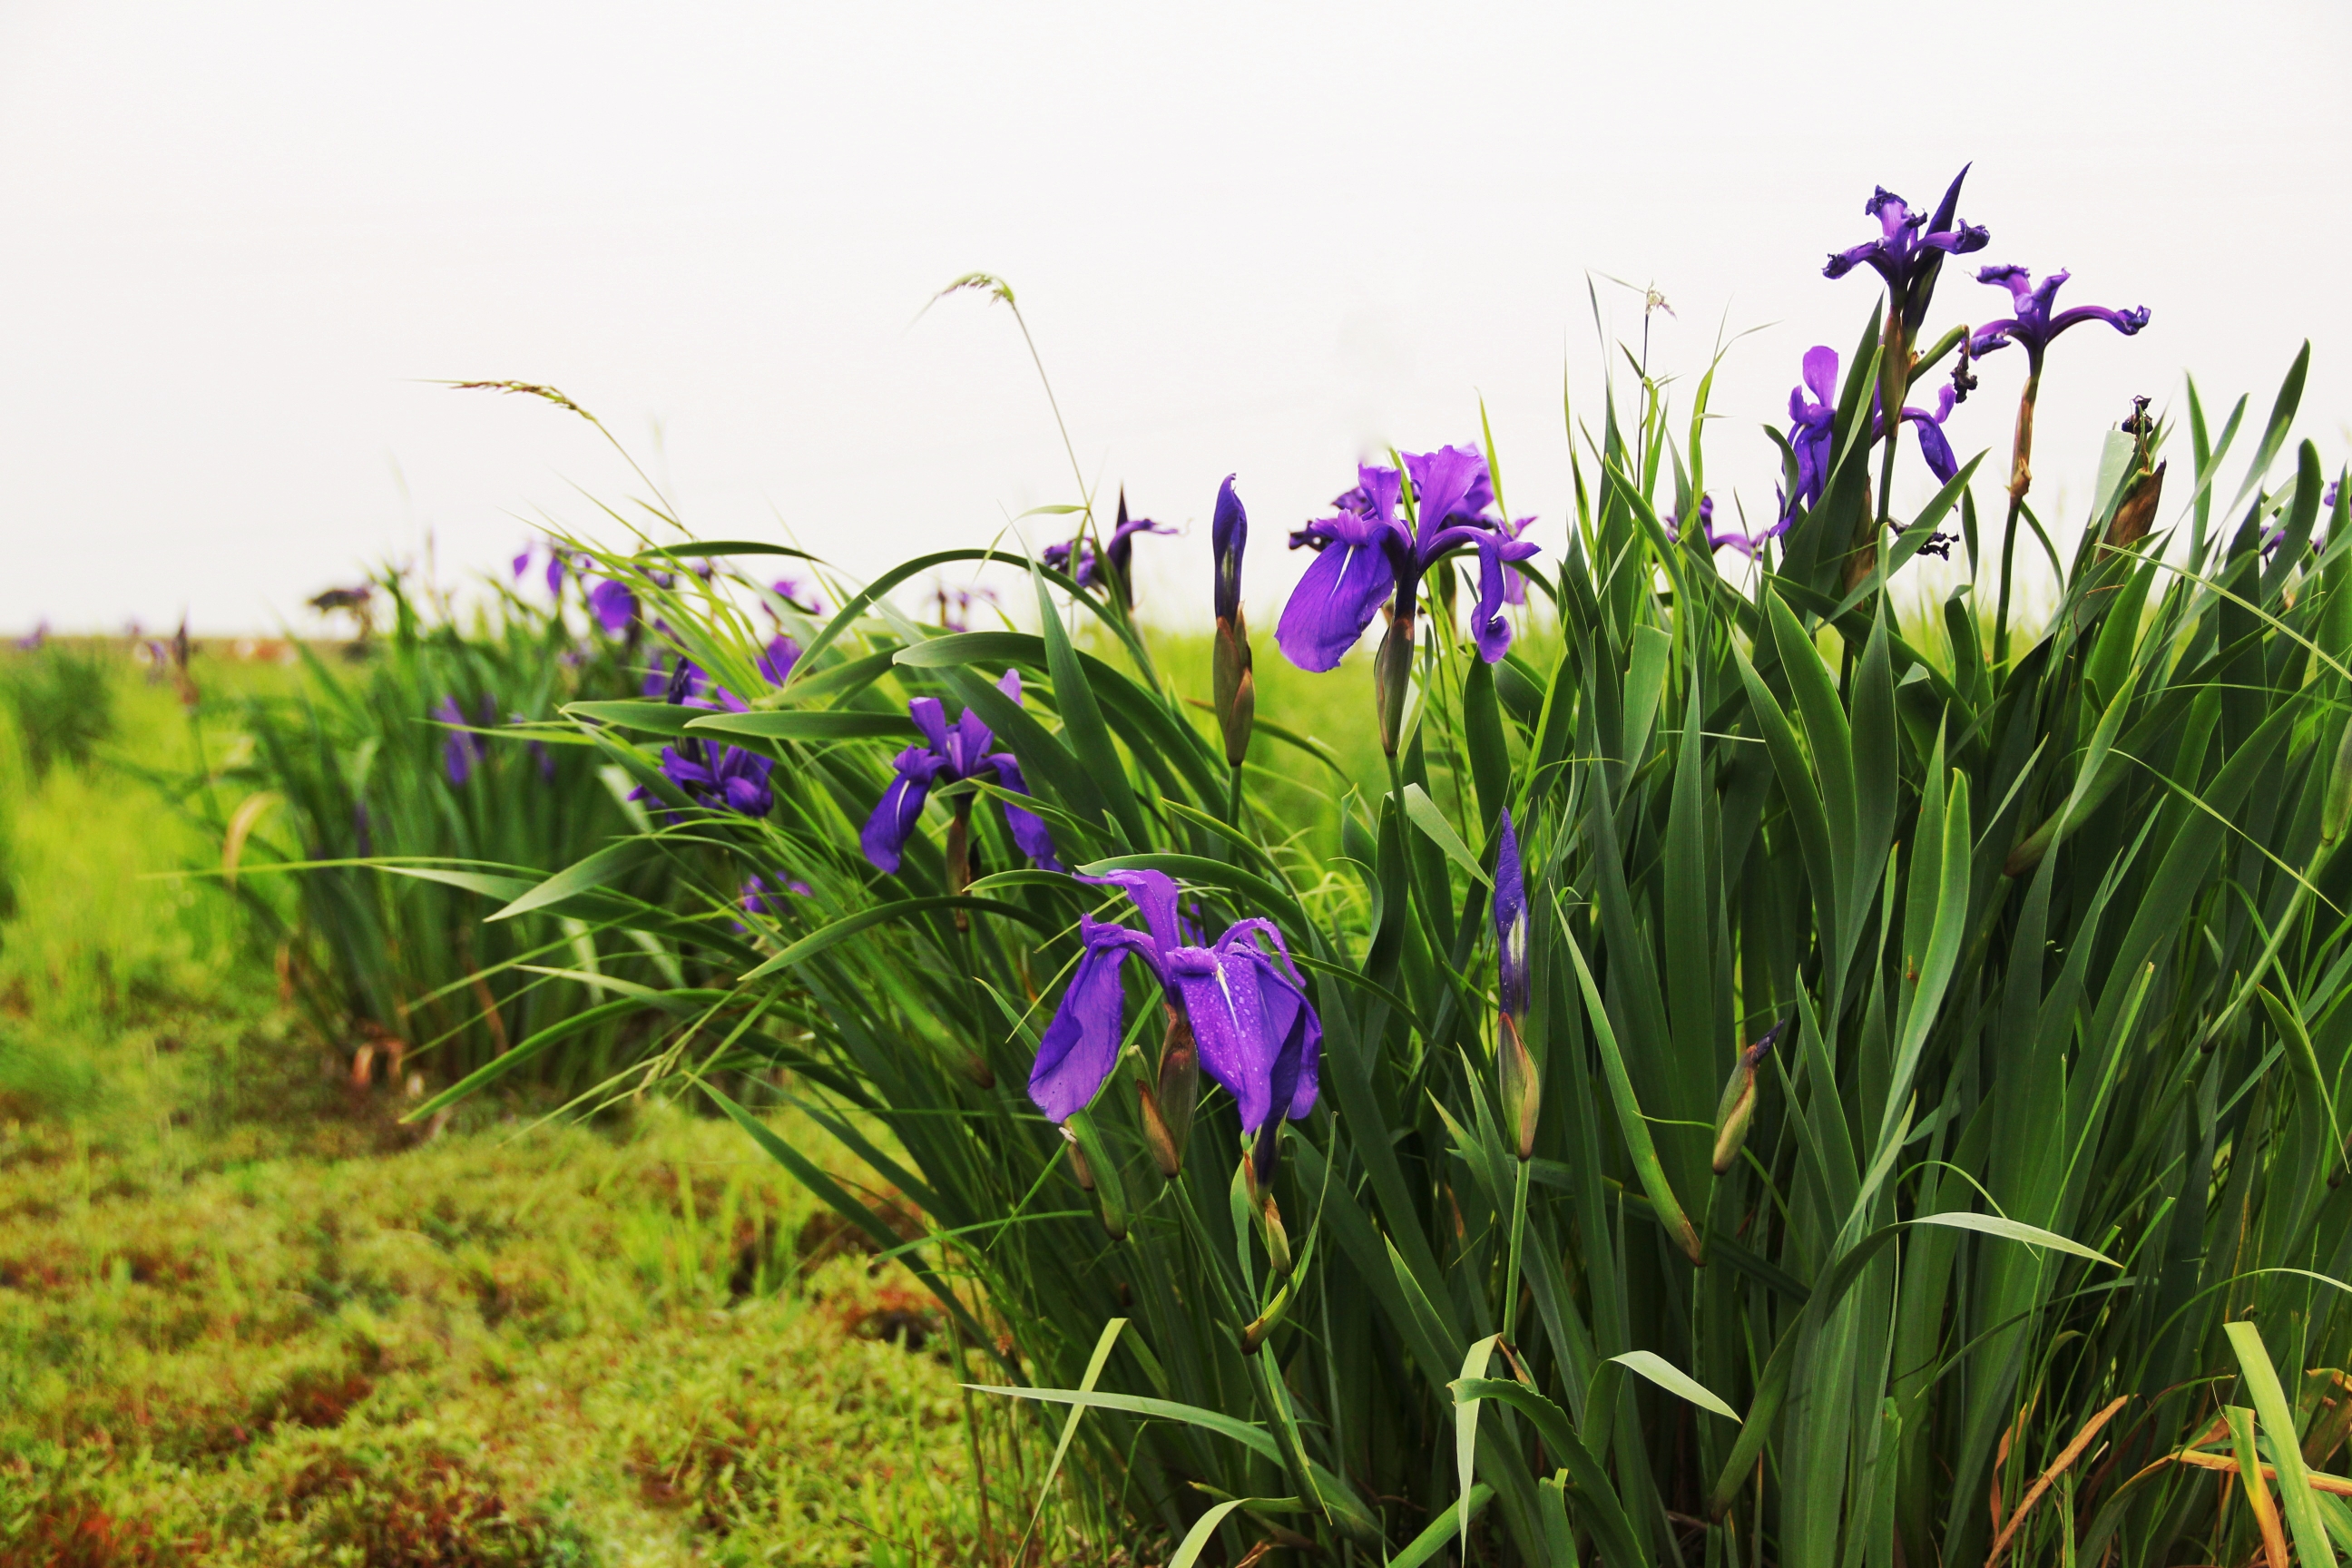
(2057, 945)
(348, 782)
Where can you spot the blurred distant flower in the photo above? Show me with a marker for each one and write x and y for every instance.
(776, 661)
(460, 750)
(945, 757)
(1379, 557)
(614, 604)
(1257, 1034)
(33, 640)
(2033, 325)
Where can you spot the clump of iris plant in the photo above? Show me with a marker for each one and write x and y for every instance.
(949, 755)
(2035, 326)
(1078, 560)
(1236, 1010)
(1371, 557)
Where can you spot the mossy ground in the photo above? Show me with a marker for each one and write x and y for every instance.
(248, 1316)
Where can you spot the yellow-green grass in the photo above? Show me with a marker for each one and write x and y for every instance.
(247, 1317)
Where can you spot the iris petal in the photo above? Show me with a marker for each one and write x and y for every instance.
(1337, 598)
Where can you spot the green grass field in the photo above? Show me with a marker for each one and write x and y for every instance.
(247, 1316)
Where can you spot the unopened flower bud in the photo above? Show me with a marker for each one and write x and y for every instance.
(1168, 1114)
(1392, 673)
(1522, 1089)
(2338, 809)
(1737, 1109)
(2137, 511)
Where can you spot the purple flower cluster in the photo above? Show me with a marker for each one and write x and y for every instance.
(947, 756)
(709, 772)
(1370, 556)
(1258, 1035)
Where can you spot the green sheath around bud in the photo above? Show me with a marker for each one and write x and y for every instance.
(1393, 676)
(2339, 792)
(1091, 1162)
(1522, 1090)
(1738, 1107)
(1168, 1113)
(1235, 685)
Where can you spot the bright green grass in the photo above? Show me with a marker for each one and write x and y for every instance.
(246, 1318)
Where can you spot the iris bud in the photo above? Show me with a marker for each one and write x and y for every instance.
(1522, 1090)
(2338, 809)
(1392, 673)
(1737, 1109)
(2137, 511)
(1168, 1115)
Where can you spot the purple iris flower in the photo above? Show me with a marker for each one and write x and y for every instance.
(945, 757)
(1378, 557)
(1811, 430)
(460, 752)
(709, 772)
(1119, 550)
(2033, 325)
(1910, 248)
(1717, 539)
(1258, 1035)
(613, 604)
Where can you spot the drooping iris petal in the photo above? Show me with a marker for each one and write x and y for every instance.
(1339, 594)
(1510, 922)
(1488, 625)
(1219, 992)
(900, 807)
(1294, 1078)
(1080, 1046)
(1293, 1030)
(1030, 834)
(1933, 446)
(523, 562)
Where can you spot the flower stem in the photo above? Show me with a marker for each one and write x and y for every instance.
(1518, 1231)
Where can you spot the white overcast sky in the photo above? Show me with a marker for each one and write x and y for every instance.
(238, 241)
